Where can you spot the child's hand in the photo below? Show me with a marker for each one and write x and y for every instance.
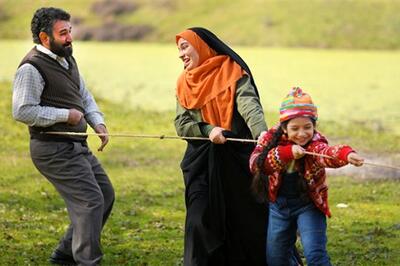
(355, 159)
(297, 151)
(260, 140)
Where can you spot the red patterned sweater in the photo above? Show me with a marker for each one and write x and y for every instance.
(278, 159)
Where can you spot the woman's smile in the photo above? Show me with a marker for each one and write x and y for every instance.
(188, 54)
(186, 62)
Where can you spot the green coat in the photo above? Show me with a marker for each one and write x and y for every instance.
(248, 111)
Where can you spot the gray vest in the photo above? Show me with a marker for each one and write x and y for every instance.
(61, 90)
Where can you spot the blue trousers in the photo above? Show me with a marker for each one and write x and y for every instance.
(286, 217)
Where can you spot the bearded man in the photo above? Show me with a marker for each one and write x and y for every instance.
(50, 95)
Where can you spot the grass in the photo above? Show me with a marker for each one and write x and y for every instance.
(146, 225)
(362, 84)
(367, 24)
(368, 231)
(354, 90)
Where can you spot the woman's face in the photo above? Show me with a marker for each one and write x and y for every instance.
(188, 54)
(300, 130)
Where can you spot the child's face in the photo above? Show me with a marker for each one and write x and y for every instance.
(300, 130)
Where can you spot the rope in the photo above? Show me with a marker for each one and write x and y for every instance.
(318, 154)
(129, 135)
(367, 163)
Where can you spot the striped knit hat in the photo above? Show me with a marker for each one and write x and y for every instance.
(297, 103)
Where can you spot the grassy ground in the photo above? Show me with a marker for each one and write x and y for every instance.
(367, 24)
(362, 84)
(146, 226)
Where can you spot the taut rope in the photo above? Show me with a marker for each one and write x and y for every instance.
(129, 135)
(368, 163)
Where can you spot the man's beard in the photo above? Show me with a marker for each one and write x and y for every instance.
(60, 49)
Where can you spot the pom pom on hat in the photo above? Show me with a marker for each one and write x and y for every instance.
(297, 103)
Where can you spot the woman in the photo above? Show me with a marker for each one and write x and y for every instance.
(217, 98)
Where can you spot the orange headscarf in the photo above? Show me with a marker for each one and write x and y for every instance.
(211, 86)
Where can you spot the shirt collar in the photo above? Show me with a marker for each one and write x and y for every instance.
(46, 51)
(43, 49)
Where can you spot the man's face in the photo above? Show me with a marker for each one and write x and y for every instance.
(61, 41)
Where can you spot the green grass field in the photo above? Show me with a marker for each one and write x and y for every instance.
(146, 226)
(356, 95)
(355, 90)
(347, 86)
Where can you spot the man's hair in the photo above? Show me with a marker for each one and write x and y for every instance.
(44, 19)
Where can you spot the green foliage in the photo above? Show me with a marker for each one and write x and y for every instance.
(146, 225)
(367, 24)
(18, 14)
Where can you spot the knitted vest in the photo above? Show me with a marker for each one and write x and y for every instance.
(61, 90)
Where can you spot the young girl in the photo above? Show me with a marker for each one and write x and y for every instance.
(294, 182)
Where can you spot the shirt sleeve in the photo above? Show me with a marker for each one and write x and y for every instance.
(249, 106)
(92, 114)
(27, 88)
(338, 153)
(189, 123)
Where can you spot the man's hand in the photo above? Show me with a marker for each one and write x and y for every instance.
(74, 117)
(355, 159)
(216, 135)
(101, 129)
(297, 151)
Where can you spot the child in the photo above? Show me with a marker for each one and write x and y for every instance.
(294, 182)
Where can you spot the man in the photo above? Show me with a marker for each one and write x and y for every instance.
(50, 95)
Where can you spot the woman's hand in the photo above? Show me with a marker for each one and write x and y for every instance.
(355, 159)
(216, 135)
(297, 151)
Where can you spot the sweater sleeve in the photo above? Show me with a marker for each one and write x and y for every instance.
(249, 106)
(277, 158)
(338, 154)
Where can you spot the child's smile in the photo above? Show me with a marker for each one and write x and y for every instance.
(300, 130)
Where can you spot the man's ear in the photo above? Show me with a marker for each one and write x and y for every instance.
(44, 39)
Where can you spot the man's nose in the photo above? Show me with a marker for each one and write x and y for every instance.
(69, 37)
